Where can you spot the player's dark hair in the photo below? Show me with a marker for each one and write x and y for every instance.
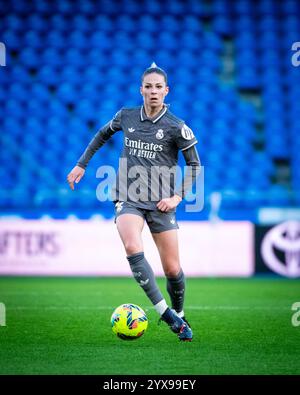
(155, 69)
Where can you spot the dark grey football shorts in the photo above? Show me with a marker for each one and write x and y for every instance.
(158, 221)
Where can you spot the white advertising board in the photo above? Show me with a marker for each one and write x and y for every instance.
(93, 247)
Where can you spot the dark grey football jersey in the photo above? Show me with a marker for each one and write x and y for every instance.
(150, 151)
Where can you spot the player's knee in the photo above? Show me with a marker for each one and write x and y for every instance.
(132, 247)
(172, 270)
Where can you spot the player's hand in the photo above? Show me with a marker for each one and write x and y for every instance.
(75, 175)
(168, 204)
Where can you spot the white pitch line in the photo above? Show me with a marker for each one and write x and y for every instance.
(40, 293)
(91, 308)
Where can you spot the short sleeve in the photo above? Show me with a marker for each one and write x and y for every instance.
(115, 123)
(185, 137)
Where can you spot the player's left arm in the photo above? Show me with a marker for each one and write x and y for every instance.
(192, 161)
(193, 170)
(185, 141)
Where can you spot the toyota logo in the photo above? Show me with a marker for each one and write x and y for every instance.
(285, 238)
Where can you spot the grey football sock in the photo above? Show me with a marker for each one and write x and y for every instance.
(144, 275)
(176, 288)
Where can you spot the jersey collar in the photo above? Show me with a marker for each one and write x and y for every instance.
(159, 115)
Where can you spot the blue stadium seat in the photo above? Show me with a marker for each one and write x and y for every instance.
(33, 39)
(81, 23)
(192, 23)
(147, 23)
(172, 22)
(222, 25)
(58, 23)
(13, 109)
(12, 22)
(290, 7)
(244, 7)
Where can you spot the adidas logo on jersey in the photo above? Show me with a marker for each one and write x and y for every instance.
(131, 130)
(119, 206)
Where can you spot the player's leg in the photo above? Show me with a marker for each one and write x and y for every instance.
(163, 228)
(167, 245)
(130, 228)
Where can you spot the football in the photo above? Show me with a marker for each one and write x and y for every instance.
(129, 321)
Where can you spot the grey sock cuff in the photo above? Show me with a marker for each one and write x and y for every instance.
(144, 275)
(135, 258)
(178, 278)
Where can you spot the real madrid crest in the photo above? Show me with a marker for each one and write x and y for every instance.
(160, 134)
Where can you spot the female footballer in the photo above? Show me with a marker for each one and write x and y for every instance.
(153, 136)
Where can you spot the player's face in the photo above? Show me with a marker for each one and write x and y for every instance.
(154, 90)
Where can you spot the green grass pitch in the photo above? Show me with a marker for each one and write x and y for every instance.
(62, 326)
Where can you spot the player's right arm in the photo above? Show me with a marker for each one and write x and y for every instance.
(98, 140)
